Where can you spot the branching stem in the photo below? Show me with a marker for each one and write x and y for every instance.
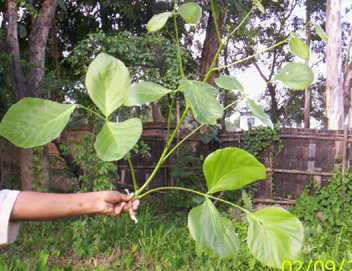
(166, 153)
(221, 45)
(158, 189)
(179, 56)
(251, 56)
(92, 111)
(191, 134)
(161, 159)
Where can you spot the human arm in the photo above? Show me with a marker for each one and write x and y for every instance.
(30, 206)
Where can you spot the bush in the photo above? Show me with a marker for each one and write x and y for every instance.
(327, 214)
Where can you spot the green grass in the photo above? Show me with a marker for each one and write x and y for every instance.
(160, 241)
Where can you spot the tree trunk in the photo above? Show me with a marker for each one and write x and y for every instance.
(156, 113)
(211, 42)
(307, 94)
(38, 38)
(18, 79)
(28, 88)
(26, 162)
(334, 80)
(347, 79)
(274, 107)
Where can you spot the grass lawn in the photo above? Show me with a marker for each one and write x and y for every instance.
(160, 241)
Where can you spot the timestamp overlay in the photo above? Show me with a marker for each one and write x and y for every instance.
(317, 265)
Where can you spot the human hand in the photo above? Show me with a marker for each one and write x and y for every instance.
(113, 203)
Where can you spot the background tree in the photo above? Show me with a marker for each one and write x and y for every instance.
(334, 73)
(26, 81)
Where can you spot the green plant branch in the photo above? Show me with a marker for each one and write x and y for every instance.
(173, 98)
(92, 111)
(161, 159)
(239, 25)
(179, 57)
(211, 69)
(191, 134)
(184, 114)
(194, 192)
(221, 46)
(251, 56)
(133, 174)
(213, 63)
(215, 18)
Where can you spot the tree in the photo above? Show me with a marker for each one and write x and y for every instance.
(26, 83)
(307, 94)
(275, 25)
(334, 78)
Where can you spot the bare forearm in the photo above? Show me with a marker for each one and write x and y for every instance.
(47, 206)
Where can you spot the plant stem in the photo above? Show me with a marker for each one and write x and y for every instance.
(165, 153)
(179, 57)
(182, 141)
(184, 114)
(239, 25)
(133, 174)
(191, 134)
(221, 45)
(251, 56)
(92, 111)
(161, 159)
(173, 98)
(194, 192)
(213, 63)
(215, 18)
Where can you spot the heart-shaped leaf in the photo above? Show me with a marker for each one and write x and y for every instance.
(296, 76)
(274, 236)
(229, 83)
(320, 32)
(211, 231)
(108, 83)
(145, 92)
(158, 21)
(258, 111)
(298, 47)
(203, 100)
(230, 169)
(33, 122)
(115, 140)
(190, 12)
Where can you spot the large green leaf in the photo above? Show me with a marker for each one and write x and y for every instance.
(203, 100)
(145, 92)
(258, 111)
(190, 12)
(298, 47)
(230, 169)
(274, 235)
(34, 122)
(108, 83)
(212, 231)
(229, 82)
(158, 21)
(115, 140)
(296, 76)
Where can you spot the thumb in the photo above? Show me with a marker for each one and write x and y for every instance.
(115, 197)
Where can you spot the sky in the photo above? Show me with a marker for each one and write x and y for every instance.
(254, 83)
